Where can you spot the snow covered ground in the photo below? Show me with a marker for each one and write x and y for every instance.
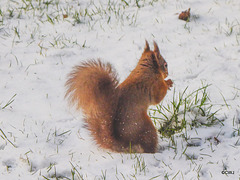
(41, 40)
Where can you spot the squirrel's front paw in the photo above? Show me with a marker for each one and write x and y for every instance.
(169, 83)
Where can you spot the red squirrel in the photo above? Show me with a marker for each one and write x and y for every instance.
(116, 114)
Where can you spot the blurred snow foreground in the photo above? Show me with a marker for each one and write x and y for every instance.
(41, 40)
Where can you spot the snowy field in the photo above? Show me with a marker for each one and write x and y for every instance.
(41, 137)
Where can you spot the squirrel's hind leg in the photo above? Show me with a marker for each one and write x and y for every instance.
(149, 139)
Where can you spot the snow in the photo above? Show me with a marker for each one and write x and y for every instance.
(42, 138)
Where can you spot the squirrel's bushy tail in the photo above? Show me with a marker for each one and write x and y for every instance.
(92, 86)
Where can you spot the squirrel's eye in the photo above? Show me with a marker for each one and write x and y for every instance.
(165, 65)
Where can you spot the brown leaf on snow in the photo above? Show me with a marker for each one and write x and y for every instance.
(185, 15)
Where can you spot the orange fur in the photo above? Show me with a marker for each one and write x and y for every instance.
(117, 114)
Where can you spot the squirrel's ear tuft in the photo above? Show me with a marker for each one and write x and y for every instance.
(146, 47)
(156, 49)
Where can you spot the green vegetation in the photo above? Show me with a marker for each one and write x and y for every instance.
(185, 111)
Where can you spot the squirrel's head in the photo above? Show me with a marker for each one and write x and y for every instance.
(154, 60)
